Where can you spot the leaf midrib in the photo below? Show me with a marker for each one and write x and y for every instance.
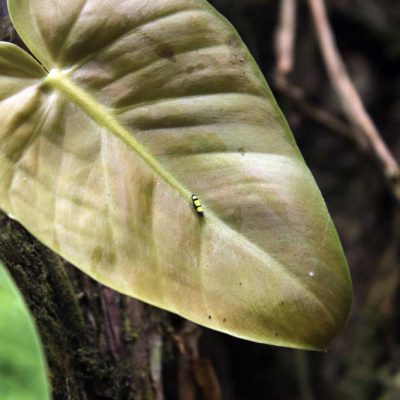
(104, 117)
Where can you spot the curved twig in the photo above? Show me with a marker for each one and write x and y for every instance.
(351, 102)
(285, 38)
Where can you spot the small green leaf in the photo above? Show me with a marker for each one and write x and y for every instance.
(146, 103)
(22, 366)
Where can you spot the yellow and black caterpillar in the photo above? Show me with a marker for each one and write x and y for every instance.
(197, 206)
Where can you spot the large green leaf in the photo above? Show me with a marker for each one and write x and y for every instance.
(145, 103)
(22, 366)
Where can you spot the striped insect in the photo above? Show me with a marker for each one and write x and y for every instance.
(197, 206)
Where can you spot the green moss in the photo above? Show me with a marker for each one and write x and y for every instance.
(130, 334)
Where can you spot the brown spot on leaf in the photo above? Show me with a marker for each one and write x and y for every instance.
(233, 41)
(242, 151)
(237, 59)
(97, 255)
(101, 257)
(166, 51)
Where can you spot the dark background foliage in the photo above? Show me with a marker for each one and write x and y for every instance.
(364, 361)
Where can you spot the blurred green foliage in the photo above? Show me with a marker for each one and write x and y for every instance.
(22, 366)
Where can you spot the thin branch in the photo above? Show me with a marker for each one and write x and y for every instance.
(284, 50)
(303, 375)
(285, 38)
(156, 358)
(195, 372)
(351, 102)
(319, 115)
(363, 132)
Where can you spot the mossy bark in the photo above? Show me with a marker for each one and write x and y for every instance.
(99, 344)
